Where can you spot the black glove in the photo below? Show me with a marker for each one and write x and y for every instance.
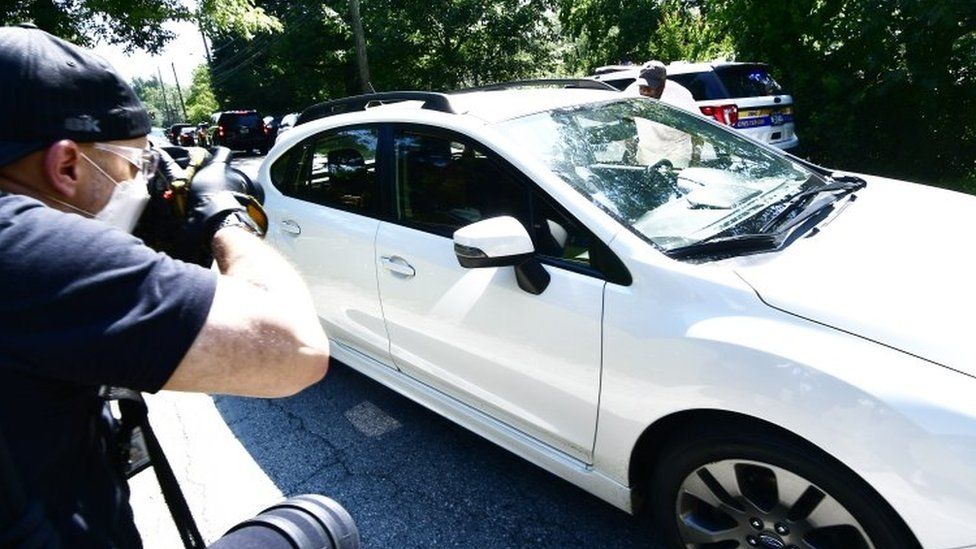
(217, 190)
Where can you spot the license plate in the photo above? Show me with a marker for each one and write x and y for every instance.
(245, 130)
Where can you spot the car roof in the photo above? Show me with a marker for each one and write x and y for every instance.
(681, 67)
(677, 67)
(497, 105)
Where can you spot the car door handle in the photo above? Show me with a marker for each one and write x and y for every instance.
(398, 265)
(291, 227)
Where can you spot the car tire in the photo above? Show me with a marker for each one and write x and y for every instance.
(779, 492)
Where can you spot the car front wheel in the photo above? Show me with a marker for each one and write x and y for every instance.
(755, 487)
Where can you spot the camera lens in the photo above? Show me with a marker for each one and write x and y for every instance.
(304, 522)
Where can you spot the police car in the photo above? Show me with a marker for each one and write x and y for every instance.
(756, 351)
(741, 95)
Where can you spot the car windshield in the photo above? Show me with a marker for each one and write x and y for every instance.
(672, 177)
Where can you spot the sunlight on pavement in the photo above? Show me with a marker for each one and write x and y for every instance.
(369, 420)
(222, 483)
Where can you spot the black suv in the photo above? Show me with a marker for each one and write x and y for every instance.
(239, 131)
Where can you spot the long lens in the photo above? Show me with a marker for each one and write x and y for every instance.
(309, 521)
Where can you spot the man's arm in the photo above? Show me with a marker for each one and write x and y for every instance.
(262, 336)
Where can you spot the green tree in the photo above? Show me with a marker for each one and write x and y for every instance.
(454, 43)
(883, 86)
(200, 99)
(683, 33)
(608, 31)
(133, 24)
(163, 109)
(411, 44)
(307, 62)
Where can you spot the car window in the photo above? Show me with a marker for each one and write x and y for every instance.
(337, 170)
(620, 83)
(703, 86)
(556, 235)
(443, 184)
(748, 81)
(248, 120)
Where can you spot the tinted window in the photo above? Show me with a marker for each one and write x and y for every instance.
(620, 83)
(702, 85)
(249, 120)
(444, 184)
(285, 172)
(748, 81)
(337, 170)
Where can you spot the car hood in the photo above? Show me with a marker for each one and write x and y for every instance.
(896, 266)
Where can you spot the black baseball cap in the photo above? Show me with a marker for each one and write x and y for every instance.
(53, 90)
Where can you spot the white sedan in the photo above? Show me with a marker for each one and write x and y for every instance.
(747, 350)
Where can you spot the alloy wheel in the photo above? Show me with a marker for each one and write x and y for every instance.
(741, 503)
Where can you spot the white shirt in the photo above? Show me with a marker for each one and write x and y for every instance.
(674, 94)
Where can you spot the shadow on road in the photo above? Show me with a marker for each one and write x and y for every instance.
(412, 478)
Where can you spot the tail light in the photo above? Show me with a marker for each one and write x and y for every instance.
(220, 131)
(267, 131)
(724, 114)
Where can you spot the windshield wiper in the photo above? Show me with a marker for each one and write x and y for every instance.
(805, 200)
(739, 243)
(813, 203)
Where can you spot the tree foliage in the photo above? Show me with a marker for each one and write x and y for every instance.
(411, 44)
(883, 86)
(133, 24)
(164, 109)
(200, 99)
(608, 31)
(455, 43)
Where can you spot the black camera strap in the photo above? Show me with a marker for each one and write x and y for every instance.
(135, 414)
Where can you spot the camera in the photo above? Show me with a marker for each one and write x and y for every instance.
(163, 224)
(308, 521)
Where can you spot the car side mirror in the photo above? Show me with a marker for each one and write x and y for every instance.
(501, 242)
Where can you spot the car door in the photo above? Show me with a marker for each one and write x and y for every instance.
(530, 361)
(323, 214)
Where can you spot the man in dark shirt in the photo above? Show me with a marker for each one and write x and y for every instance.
(84, 304)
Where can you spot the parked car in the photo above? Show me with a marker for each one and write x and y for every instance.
(742, 95)
(175, 130)
(746, 349)
(241, 130)
(159, 137)
(187, 137)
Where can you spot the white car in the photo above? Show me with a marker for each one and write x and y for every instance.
(750, 350)
(742, 95)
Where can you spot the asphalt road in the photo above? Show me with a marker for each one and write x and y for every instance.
(409, 477)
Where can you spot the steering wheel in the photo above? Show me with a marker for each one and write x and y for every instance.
(659, 178)
(662, 163)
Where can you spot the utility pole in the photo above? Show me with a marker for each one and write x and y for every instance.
(361, 61)
(179, 91)
(206, 46)
(169, 112)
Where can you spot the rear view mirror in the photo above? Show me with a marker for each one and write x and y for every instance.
(501, 242)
